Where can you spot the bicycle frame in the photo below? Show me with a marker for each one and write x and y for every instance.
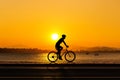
(63, 53)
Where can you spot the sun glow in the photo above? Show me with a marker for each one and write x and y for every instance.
(54, 36)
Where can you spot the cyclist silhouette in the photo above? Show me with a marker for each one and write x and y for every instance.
(58, 47)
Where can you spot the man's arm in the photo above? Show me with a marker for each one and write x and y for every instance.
(65, 44)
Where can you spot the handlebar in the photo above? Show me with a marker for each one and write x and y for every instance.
(67, 48)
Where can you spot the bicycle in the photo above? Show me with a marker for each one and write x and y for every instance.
(69, 56)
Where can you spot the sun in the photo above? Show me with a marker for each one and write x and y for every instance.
(54, 36)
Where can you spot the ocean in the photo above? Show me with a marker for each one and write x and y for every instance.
(41, 58)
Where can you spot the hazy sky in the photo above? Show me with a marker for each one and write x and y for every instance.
(87, 23)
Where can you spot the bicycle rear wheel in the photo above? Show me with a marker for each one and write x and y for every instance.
(70, 56)
(52, 56)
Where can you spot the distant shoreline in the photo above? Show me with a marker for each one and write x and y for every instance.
(36, 50)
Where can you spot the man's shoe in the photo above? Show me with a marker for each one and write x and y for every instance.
(60, 58)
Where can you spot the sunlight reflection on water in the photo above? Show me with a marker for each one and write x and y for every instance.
(81, 58)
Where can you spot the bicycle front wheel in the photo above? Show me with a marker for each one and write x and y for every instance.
(70, 56)
(52, 56)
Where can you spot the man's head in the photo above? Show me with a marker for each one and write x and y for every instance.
(63, 36)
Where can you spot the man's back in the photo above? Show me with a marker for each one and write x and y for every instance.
(59, 41)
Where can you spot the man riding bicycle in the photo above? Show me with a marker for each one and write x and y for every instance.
(58, 47)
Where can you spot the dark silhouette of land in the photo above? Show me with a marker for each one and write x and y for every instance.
(22, 50)
(36, 50)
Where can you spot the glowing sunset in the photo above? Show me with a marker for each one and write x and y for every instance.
(54, 36)
(87, 23)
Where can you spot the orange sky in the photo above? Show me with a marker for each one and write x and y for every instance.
(87, 23)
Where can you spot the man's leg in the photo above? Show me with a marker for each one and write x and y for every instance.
(59, 52)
